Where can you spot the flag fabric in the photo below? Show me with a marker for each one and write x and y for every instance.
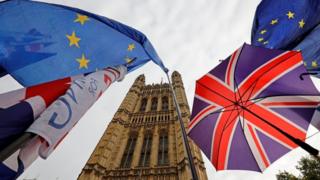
(41, 42)
(57, 120)
(310, 49)
(14, 166)
(282, 24)
(21, 107)
(2, 72)
(54, 123)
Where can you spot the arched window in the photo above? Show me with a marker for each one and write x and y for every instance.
(163, 158)
(154, 104)
(146, 150)
(143, 105)
(165, 103)
(128, 153)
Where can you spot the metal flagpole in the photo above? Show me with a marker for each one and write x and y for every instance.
(184, 134)
(14, 146)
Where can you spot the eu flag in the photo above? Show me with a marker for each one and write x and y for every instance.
(310, 49)
(282, 24)
(41, 42)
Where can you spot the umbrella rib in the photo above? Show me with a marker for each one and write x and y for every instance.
(227, 124)
(235, 82)
(243, 112)
(236, 108)
(252, 89)
(246, 140)
(214, 92)
(256, 80)
(265, 97)
(220, 140)
(221, 110)
(240, 96)
(236, 90)
(250, 104)
(297, 141)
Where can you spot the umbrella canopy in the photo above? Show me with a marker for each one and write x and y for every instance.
(252, 108)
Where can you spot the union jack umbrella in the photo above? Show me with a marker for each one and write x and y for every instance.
(253, 108)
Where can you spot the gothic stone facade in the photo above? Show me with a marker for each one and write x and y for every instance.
(143, 140)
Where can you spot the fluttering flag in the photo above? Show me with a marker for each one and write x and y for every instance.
(54, 123)
(19, 108)
(41, 42)
(57, 120)
(310, 49)
(282, 24)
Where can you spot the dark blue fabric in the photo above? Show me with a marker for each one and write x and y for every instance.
(35, 48)
(2, 72)
(6, 173)
(14, 121)
(286, 33)
(310, 49)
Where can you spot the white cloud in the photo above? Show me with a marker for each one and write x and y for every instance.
(190, 36)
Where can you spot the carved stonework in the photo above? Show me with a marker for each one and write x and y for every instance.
(145, 142)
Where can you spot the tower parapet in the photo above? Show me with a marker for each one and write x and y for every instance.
(144, 140)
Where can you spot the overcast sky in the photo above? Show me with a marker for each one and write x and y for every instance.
(190, 36)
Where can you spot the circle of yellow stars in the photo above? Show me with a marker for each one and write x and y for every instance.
(74, 40)
(290, 15)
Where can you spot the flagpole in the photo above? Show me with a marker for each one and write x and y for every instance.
(184, 134)
(14, 146)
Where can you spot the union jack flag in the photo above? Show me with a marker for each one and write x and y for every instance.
(50, 111)
(230, 100)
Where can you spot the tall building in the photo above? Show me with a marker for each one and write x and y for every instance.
(144, 139)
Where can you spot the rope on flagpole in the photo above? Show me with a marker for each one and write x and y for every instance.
(184, 134)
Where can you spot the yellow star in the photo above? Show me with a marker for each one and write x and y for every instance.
(260, 39)
(83, 62)
(131, 47)
(263, 31)
(128, 60)
(290, 15)
(81, 19)
(266, 42)
(274, 21)
(301, 23)
(73, 39)
(314, 64)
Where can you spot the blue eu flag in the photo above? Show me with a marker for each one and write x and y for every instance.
(310, 49)
(282, 24)
(41, 42)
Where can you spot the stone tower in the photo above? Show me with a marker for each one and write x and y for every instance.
(144, 140)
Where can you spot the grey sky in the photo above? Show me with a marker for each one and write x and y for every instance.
(190, 36)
